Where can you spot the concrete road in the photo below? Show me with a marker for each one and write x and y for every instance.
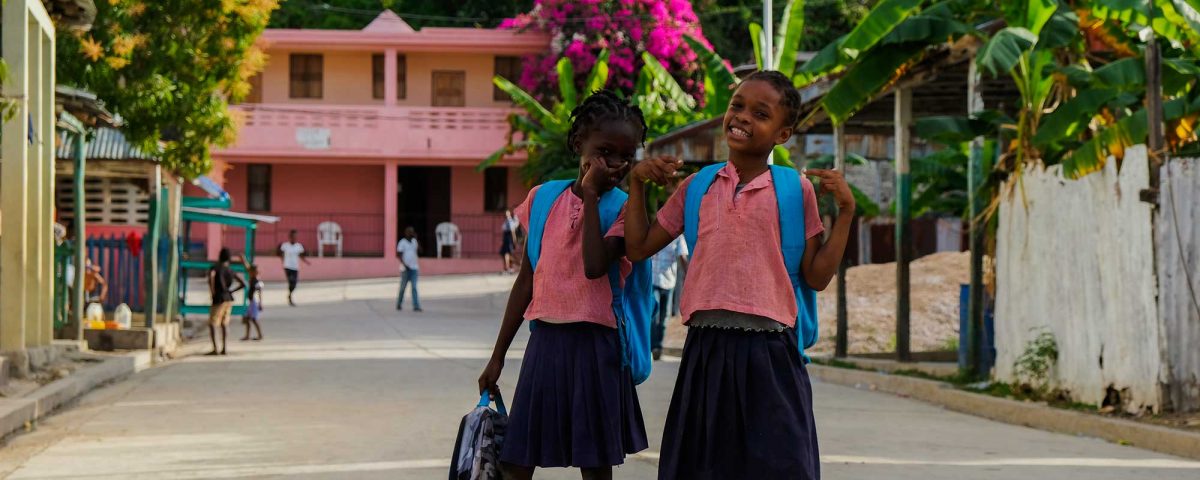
(345, 386)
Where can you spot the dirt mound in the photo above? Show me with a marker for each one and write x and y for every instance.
(871, 304)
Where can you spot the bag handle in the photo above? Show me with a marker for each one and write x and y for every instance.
(485, 399)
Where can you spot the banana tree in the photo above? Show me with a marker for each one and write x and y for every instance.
(540, 132)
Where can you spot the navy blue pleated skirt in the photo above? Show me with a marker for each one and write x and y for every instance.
(742, 408)
(575, 406)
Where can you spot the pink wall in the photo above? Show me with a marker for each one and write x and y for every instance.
(348, 79)
(303, 196)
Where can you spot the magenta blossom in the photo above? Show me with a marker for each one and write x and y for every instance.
(580, 29)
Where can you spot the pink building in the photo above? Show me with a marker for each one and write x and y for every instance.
(376, 129)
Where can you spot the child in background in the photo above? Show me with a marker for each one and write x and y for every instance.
(742, 405)
(255, 307)
(575, 403)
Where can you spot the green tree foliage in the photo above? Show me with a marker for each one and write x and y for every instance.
(826, 20)
(356, 14)
(167, 67)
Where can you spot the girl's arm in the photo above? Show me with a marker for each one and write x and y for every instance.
(821, 259)
(514, 315)
(642, 239)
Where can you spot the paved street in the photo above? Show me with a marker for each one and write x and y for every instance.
(346, 387)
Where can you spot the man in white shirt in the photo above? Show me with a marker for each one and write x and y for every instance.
(292, 253)
(408, 249)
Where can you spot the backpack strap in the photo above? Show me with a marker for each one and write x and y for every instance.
(699, 185)
(789, 195)
(543, 201)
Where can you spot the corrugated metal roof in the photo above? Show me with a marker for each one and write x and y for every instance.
(105, 144)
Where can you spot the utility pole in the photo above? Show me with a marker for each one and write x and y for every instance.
(904, 250)
(768, 50)
(843, 321)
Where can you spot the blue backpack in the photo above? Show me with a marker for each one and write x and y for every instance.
(790, 197)
(634, 305)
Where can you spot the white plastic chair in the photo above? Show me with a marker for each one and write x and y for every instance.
(329, 233)
(448, 236)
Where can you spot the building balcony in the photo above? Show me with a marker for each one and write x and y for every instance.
(451, 136)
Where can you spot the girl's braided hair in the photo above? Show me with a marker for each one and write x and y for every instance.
(790, 96)
(602, 105)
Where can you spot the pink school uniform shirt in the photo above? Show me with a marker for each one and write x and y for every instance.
(738, 261)
(562, 293)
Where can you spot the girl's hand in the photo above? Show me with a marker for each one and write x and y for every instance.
(834, 184)
(659, 169)
(489, 377)
(599, 177)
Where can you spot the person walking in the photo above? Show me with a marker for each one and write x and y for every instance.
(408, 248)
(508, 242)
(666, 272)
(292, 253)
(220, 281)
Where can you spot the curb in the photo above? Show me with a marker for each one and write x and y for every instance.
(23, 413)
(1030, 414)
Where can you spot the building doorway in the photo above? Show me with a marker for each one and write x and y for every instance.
(423, 201)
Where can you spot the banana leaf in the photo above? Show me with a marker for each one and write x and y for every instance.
(1072, 117)
(566, 83)
(527, 102)
(781, 156)
(756, 40)
(598, 77)
(788, 41)
(927, 29)
(1002, 52)
(662, 81)
(954, 130)
(1125, 74)
(1113, 140)
(1031, 15)
(1061, 30)
(826, 60)
(866, 79)
(880, 21)
(718, 79)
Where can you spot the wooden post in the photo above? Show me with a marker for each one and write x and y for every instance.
(80, 174)
(843, 321)
(36, 309)
(975, 325)
(14, 175)
(150, 246)
(904, 253)
(48, 140)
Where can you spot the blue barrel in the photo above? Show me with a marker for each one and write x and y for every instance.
(989, 338)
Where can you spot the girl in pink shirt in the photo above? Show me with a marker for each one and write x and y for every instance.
(575, 405)
(742, 406)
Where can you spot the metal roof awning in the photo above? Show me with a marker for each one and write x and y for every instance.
(225, 217)
(106, 144)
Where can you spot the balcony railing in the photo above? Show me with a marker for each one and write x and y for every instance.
(369, 131)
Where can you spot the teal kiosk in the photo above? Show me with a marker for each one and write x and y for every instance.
(214, 209)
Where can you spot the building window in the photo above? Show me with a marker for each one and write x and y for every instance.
(377, 68)
(258, 188)
(255, 95)
(510, 69)
(307, 72)
(449, 89)
(495, 189)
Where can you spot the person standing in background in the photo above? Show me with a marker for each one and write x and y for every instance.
(508, 242)
(292, 253)
(408, 249)
(666, 273)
